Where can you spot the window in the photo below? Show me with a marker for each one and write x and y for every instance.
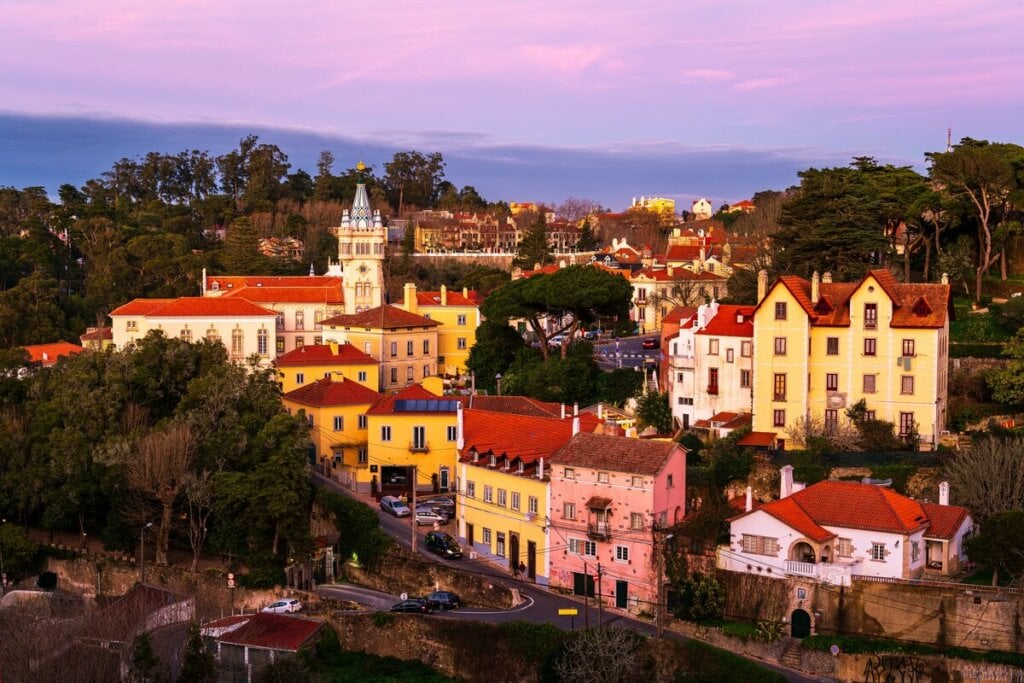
(309, 419)
(844, 547)
(622, 553)
(426, 371)
(878, 552)
(869, 415)
(908, 347)
(502, 497)
(831, 421)
(728, 355)
(579, 546)
(408, 348)
(362, 422)
(364, 456)
(780, 310)
(500, 548)
(832, 346)
(488, 493)
(679, 378)
(361, 377)
(569, 511)
(712, 347)
(760, 545)
(470, 489)
(602, 477)
(779, 392)
(300, 378)
(570, 473)
(262, 342)
(870, 316)
(419, 437)
(832, 381)
(394, 349)
(453, 432)
(668, 481)
(339, 423)
(461, 320)
(300, 341)
(394, 375)
(426, 347)
(712, 380)
(870, 346)
(906, 423)
(132, 325)
(318, 340)
(907, 384)
(746, 349)
(778, 418)
(869, 384)
(462, 343)
(638, 481)
(410, 373)
(636, 521)
(385, 432)
(186, 335)
(300, 323)
(279, 344)
(212, 335)
(367, 348)
(318, 318)
(515, 500)
(780, 346)
(915, 551)
(487, 536)
(745, 376)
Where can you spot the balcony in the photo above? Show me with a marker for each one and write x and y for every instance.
(713, 389)
(419, 447)
(801, 568)
(599, 531)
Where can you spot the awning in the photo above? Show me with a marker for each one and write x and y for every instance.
(758, 439)
(599, 503)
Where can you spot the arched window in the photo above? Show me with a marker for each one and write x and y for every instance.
(212, 335)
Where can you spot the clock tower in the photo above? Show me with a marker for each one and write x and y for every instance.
(362, 238)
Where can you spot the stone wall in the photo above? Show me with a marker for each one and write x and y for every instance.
(881, 668)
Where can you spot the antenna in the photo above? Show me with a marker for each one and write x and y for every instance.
(949, 139)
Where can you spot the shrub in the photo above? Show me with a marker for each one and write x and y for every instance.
(699, 598)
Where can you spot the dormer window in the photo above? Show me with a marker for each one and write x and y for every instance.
(521, 467)
(476, 454)
(493, 460)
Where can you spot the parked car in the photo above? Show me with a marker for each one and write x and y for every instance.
(439, 501)
(443, 544)
(439, 511)
(414, 605)
(444, 600)
(556, 340)
(428, 516)
(285, 606)
(592, 335)
(394, 506)
(650, 343)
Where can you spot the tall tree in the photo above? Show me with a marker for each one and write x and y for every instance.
(534, 248)
(414, 178)
(241, 248)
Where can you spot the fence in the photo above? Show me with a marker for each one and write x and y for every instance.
(963, 587)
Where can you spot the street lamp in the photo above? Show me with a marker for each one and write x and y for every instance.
(498, 377)
(142, 552)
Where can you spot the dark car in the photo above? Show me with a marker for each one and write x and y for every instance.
(443, 544)
(444, 600)
(436, 502)
(414, 605)
(650, 343)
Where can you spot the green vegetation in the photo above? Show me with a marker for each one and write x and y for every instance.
(864, 645)
(702, 662)
(359, 526)
(335, 665)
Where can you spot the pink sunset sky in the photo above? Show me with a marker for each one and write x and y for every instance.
(835, 78)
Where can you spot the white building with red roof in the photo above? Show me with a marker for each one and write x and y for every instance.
(244, 644)
(47, 355)
(835, 531)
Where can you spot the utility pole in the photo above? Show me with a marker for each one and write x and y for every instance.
(659, 558)
(412, 515)
(600, 596)
(586, 596)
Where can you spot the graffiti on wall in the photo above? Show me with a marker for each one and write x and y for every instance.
(894, 669)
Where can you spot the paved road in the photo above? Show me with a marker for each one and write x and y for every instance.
(627, 352)
(538, 605)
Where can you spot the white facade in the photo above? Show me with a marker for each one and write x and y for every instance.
(681, 387)
(242, 336)
(362, 239)
(702, 208)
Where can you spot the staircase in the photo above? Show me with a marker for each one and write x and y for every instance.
(790, 655)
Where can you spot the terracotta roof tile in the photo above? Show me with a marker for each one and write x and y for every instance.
(98, 334)
(316, 295)
(757, 439)
(615, 453)
(326, 392)
(944, 520)
(724, 323)
(47, 354)
(387, 316)
(517, 405)
(140, 306)
(454, 298)
(193, 306)
(226, 282)
(521, 438)
(324, 354)
(270, 631)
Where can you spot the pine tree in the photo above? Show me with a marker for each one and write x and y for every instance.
(241, 248)
(587, 241)
(534, 248)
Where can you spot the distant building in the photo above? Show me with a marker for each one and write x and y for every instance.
(245, 644)
(702, 208)
(664, 206)
(47, 355)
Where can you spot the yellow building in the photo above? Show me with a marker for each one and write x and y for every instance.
(664, 206)
(308, 364)
(413, 427)
(403, 343)
(504, 488)
(336, 412)
(457, 315)
(820, 347)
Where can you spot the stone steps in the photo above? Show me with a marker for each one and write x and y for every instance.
(791, 654)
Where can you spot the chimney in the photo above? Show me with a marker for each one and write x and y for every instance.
(750, 499)
(563, 411)
(826, 279)
(670, 270)
(600, 411)
(575, 409)
(410, 302)
(203, 289)
(460, 442)
(575, 426)
(786, 488)
(815, 283)
(465, 292)
(945, 278)
(762, 285)
(444, 295)
(540, 468)
(944, 493)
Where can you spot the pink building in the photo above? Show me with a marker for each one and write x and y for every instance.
(609, 497)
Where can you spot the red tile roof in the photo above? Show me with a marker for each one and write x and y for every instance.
(47, 354)
(545, 270)
(521, 438)
(616, 453)
(313, 295)
(724, 323)
(98, 334)
(191, 307)
(683, 252)
(944, 520)
(387, 317)
(327, 392)
(269, 631)
(517, 405)
(226, 282)
(453, 298)
(324, 354)
(790, 513)
(757, 439)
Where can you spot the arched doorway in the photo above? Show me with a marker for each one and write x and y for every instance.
(802, 552)
(800, 624)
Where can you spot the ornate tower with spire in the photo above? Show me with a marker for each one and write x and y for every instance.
(361, 242)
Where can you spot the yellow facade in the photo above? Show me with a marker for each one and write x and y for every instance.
(517, 510)
(458, 318)
(868, 353)
(292, 375)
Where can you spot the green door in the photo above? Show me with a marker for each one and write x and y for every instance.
(622, 594)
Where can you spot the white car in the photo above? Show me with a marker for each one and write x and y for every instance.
(394, 506)
(286, 606)
(427, 516)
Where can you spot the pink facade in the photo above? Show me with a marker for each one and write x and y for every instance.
(609, 495)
